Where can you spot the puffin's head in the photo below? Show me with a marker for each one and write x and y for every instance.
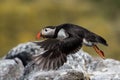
(47, 32)
(53, 32)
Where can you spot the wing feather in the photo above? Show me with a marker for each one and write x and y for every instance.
(55, 54)
(47, 63)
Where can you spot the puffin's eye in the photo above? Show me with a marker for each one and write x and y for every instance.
(46, 30)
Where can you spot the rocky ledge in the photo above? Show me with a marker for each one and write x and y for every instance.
(79, 66)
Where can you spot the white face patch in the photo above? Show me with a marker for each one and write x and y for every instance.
(48, 31)
(62, 34)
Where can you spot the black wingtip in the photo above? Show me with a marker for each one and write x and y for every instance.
(102, 41)
(106, 44)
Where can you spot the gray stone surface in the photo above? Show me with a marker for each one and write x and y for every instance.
(56, 75)
(108, 69)
(79, 66)
(11, 69)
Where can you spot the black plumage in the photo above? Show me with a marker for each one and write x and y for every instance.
(53, 56)
(80, 32)
(52, 53)
(56, 51)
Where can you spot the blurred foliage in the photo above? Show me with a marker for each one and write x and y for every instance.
(20, 20)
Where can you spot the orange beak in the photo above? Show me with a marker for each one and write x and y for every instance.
(99, 52)
(38, 35)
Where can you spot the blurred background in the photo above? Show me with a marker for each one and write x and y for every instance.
(20, 20)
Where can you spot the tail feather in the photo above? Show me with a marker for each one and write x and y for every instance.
(102, 40)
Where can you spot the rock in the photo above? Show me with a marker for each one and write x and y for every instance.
(79, 66)
(108, 69)
(70, 75)
(73, 69)
(56, 75)
(11, 69)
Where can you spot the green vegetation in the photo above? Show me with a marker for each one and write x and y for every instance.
(20, 20)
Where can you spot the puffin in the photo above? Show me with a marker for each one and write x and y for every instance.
(59, 42)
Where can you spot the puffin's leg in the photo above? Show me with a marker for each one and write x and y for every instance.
(100, 52)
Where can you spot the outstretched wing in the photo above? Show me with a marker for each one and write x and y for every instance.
(52, 57)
